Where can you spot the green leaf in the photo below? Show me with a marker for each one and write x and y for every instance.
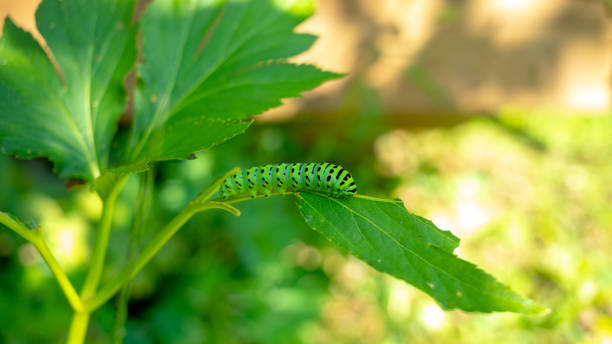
(389, 238)
(208, 66)
(68, 115)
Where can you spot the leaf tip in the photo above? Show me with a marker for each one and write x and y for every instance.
(531, 308)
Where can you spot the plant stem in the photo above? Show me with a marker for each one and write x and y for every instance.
(121, 314)
(206, 194)
(78, 328)
(17, 226)
(151, 249)
(80, 319)
(143, 200)
(198, 204)
(35, 237)
(60, 276)
(99, 254)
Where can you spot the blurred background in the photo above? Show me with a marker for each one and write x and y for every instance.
(492, 118)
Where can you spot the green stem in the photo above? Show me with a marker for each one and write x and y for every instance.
(141, 215)
(99, 253)
(150, 250)
(206, 194)
(14, 224)
(80, 319)
(198, 204)
(121, 313)
(35, 237)
(60, 276)
(78, 328)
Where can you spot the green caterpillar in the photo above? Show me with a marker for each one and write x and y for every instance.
(327, 178)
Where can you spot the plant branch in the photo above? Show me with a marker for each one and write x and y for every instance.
(206, 194)
(218, 205)
(150, 250)
(15, 225)
(35, 237)
(198, 204)
(78, 328)
(60, 275)
(99, 254)
(144, 199)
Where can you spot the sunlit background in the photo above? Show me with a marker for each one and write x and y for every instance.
(490, 117)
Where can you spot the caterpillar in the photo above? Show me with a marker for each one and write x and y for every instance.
(327, 178)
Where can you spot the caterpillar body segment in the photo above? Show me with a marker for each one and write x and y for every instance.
(285, 178)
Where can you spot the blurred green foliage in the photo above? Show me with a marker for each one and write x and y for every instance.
(528, 195)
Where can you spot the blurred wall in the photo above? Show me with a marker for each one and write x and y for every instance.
(433, 56)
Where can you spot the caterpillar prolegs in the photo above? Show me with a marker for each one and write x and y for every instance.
(326, 178)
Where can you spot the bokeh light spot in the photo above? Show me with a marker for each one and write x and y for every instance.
(432, 316)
